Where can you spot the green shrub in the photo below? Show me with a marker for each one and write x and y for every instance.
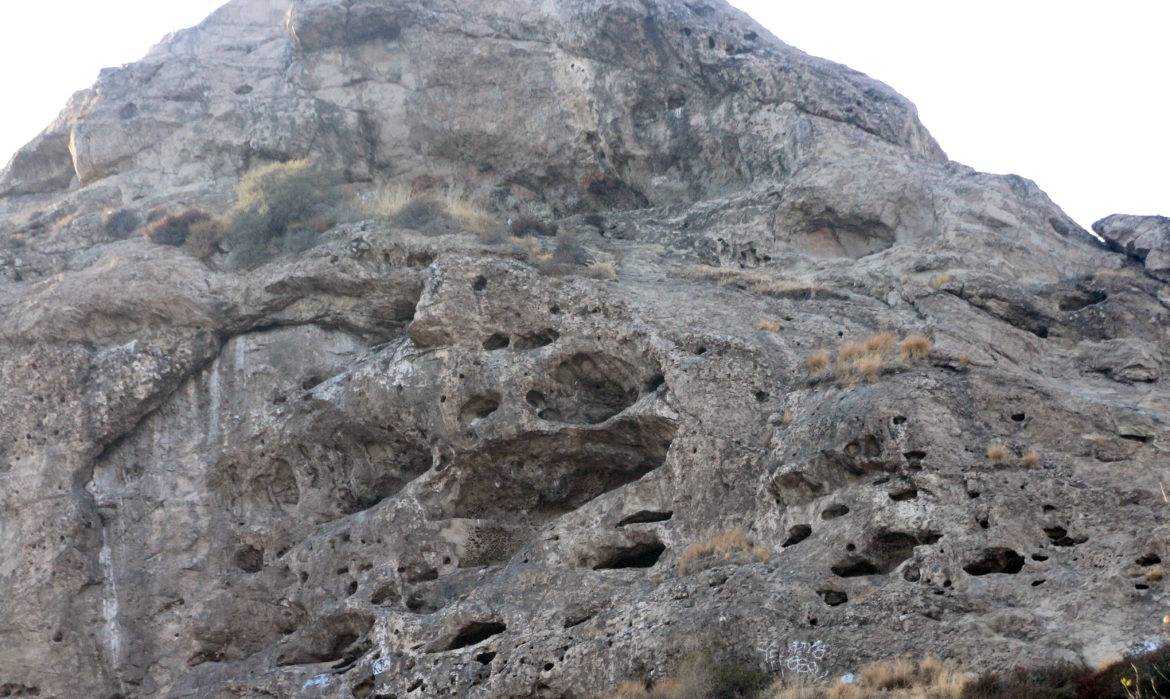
(274, 201)
(172, 229)
(735, 681)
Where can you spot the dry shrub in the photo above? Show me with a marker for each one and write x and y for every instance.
(998, 453)
(849, 352)
(280, 207)
(602, 270)
(529, 226)
(173, 229)
(787, 418)
(416, 207)
(699, 677)
(732, 544)
(1031, 458)
(203, 238)
(753, 281)
(940, 280)
(881, 342)
(901, 678)
(721, 275)
(818, 362)
(964, 360)
(869, 367)
(768, 325)
(915, 347)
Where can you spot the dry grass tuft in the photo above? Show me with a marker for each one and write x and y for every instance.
(880, 343)
(818, 362)
(787, 418)
(721, 275)
(915, 347)
(1031, 458)
(998, 453)
(869, 367)
(602, 270)
(900, 678)
(940, 280)
(964, 360)
(768, 325)
(753, 281)
(732, 544)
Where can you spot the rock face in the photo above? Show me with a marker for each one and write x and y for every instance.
(1144, 238)
(414, 464)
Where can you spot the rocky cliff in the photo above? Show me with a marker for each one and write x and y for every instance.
(828, 385)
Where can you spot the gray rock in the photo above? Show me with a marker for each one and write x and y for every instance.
(1144, 238)
(424, 463)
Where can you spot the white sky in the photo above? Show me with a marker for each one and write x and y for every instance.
(1073, 94)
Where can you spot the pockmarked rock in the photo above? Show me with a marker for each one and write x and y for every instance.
(732, 359)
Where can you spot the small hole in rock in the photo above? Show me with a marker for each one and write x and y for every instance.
(834, 511)
(496, 341)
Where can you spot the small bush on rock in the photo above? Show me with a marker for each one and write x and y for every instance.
(119, 223)
(273, 201)
(173, 229)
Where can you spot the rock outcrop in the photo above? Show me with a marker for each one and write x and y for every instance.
(410, 462)
(1144, 238)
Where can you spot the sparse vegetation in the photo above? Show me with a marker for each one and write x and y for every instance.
(413, 207)
(998, 453)
(753, 281)
(700, 677)
(915, 347)
(940, 280)
(1031, 458)
(173, 229)
(525, 226)
(867, 359)
(768, 325)
(732, 544)
(964, 360)
(1142, 676)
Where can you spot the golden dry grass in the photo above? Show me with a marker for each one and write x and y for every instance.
(940, 280)
(869, 367)
(602, 270)
(754, 281)
(1031, 458)
(900, 678)
(1155, 575)
(915, 347)
(818, 362)
(964, 360)
(880, 342)
(728, 545)
(998, 452)
(787, 418)
(768, 325)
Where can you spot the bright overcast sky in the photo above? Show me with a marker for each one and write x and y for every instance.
(1069, 93)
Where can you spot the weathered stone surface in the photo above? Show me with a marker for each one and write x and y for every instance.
(408, 462)
(1144, 238)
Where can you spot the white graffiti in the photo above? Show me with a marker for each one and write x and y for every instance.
(318, 681)
(382, 665)
(797, 658)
